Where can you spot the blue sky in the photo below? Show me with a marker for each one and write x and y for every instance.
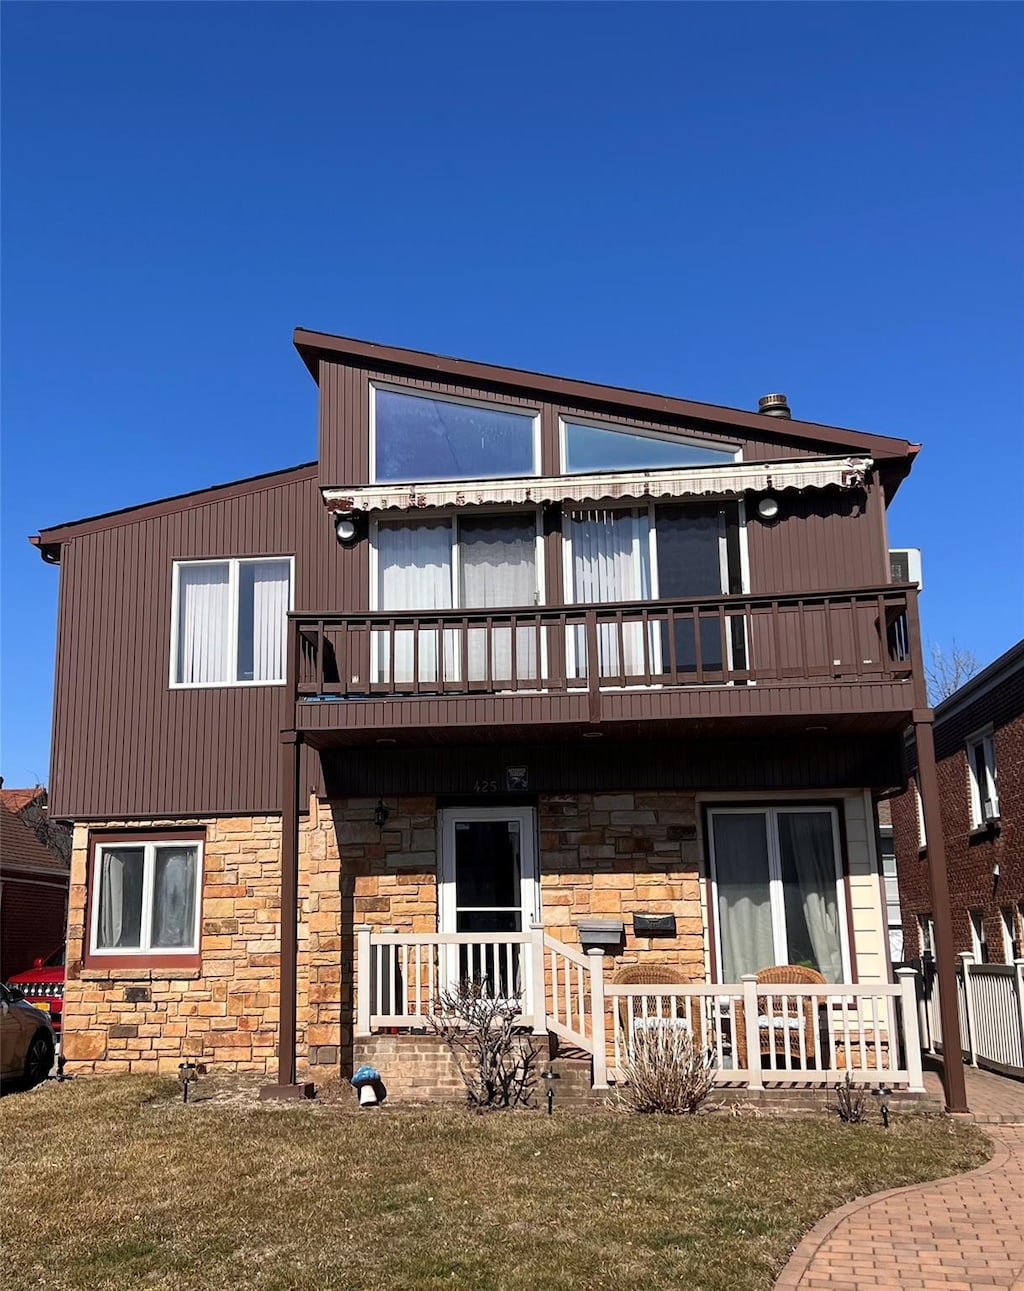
(712, 201)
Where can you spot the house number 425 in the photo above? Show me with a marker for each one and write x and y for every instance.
(485, 786)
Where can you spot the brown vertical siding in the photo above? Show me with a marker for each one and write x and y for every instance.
(125, 743)
(822, 539)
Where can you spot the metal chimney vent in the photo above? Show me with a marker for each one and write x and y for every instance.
(774, 405)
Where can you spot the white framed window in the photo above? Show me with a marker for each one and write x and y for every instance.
(1008, 923)
(982, 777)
(926, 932)
(656, 550)
(473, 561)
(590, 446)
(777, 890)
(922, 837)
(229, 621)
(978, 944)
(146, 897)
(418, 435)
(893, 915)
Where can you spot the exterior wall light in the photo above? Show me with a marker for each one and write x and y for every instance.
(381, 813)
(346, 529)
(768, 508)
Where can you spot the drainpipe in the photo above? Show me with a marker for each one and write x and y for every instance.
(287, 1086)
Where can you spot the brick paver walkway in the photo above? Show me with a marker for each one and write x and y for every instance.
(959, 1234)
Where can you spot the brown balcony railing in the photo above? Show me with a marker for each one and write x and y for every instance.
(865, 635)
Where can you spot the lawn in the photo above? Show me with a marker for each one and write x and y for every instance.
(114, 1184)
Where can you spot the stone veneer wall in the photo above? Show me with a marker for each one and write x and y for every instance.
(223, 1013)
(601, 855)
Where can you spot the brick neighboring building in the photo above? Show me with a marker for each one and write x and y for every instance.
(34, 877)
(979, 739)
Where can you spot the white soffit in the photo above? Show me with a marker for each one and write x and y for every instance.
(718, 481)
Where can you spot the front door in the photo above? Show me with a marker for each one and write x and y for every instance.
(489, 886)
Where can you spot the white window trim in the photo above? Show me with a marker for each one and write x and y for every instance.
(775, 884)
(721, 446)
(922, 836)
(979, 943)
(926, 934)
(1008, 924)
(519, 410)
(985, 738)
(233, 563)
(149, 849)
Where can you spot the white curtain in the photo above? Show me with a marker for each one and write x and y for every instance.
(744, 893)
(120, 899)
(498, 568)
(611, 562)
(414, 564)
(174, 897)
(807, 853)
(265, 635)
(204, 618)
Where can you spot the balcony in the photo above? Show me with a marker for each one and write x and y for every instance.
(760, 658)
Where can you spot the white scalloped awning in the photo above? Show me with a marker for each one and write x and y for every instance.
(718, 481)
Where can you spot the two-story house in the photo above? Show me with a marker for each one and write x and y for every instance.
(523, 680)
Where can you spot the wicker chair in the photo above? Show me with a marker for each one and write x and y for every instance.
(797, 1030)
(647, 974)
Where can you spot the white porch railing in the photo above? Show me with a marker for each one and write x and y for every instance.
(758, 1035)
(992, 1013)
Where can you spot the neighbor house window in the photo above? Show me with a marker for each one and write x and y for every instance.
(926, 932)
(230, 621)
(979, 945)
(981, 765)
(1007, 921)
(594, 446)
(145, 898)
(778, 890)
(893, 917)
(419, 437)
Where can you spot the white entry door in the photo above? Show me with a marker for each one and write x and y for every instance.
(489, 885)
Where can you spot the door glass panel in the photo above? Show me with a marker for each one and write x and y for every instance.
(487, 866)
(690, 564)
(807, 855)
(744, 897)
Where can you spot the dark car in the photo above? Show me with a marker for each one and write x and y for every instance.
(26, 1039)
(42, 986)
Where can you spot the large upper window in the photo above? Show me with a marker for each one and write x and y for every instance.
(588, 446)
(230, 621)
(779, 891)
(145, 898)
(419, 437)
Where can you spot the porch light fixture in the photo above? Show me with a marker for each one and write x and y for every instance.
(346, 529)
(381, 813)
(768, 508)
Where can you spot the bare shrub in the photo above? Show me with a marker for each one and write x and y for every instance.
(851, 1102)
(495, 1058)
(666, 1070)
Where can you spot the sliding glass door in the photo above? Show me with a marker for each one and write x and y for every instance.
(778, 890)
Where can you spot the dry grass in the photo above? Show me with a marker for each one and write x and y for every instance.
(111, 1184)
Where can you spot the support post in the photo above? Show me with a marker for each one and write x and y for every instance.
(967, 961)
(907, 978)
(287, 1086)
(597, 1029)
(538, 987)
(945, 954)
(753, 1031)
(364, 978)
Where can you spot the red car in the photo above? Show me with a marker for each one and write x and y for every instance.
(42, 985)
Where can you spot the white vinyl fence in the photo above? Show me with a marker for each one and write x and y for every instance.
(990, 1004)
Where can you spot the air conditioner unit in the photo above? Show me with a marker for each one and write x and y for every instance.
(905, 565)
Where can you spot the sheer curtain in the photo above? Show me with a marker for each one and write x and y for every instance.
(611, 562)
(807, 854)
(498, 568)
(174, 897)
(264, 588)
(744, 892)
(119, 921)
(414, 564)
(204, 623)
